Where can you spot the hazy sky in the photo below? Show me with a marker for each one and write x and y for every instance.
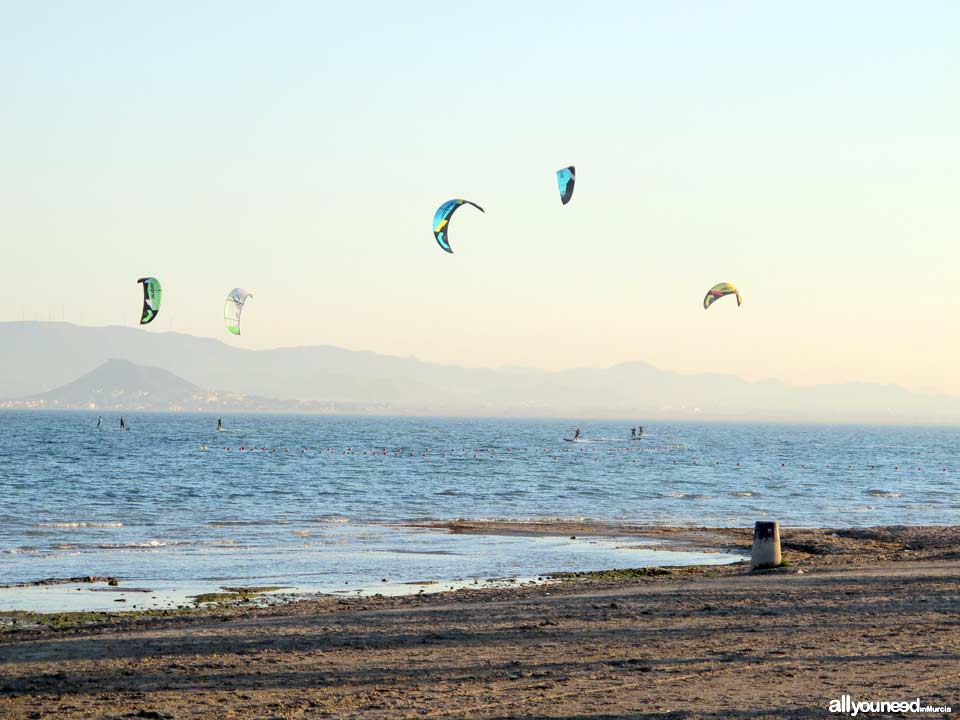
(808, 152)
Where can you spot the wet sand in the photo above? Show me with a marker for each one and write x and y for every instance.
(874, 613)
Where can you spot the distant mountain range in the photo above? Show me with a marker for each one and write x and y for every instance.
(69, 366)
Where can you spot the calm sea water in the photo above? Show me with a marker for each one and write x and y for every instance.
(320, 501)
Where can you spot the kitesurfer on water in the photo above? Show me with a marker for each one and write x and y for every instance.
(219, 424)
(123, 425)
(633, 433)
(576, 435)
(99, 421)
(640, 431)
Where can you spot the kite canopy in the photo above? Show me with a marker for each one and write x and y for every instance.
(152, 295)
(233, 307)
(566, 179)
(441, 221)
(718, 291)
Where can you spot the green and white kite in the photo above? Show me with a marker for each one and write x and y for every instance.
(233, 307)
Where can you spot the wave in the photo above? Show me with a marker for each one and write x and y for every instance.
(26, 550)
(81, 524)
(884, 493)
(403, 551)
(685, 496)
(143, 545)
(742, 493)
(146, 545)
(526, 519)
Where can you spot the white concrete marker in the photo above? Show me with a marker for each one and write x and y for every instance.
(766, 545)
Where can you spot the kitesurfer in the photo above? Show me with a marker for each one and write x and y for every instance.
(576, 434)
(99, 421)
(640, 431)
(123, 425)
(633, 433)
(219, 424)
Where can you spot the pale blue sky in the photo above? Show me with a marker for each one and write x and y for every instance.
(808, 153)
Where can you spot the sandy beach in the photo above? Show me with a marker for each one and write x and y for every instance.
(872, 613)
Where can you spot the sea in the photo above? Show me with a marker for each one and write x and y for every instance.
(338, 504)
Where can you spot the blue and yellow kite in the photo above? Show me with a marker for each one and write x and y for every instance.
(441, 221)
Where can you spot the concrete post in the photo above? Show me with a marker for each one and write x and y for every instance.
(766, 545)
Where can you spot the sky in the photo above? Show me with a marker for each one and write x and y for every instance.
(808, 153)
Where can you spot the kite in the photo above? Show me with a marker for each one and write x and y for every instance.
(441, 221)
(566, 178)
(719, 291)
(152, 295)
(233, 307)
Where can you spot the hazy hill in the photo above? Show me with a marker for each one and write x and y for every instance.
(118, 384)
(122, 385)
(38, 357)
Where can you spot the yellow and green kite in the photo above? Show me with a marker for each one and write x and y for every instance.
(718, 291)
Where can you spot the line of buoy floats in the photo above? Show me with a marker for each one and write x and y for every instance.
(477, 453)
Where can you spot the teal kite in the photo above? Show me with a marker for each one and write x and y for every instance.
(566, 178)
(441, 221)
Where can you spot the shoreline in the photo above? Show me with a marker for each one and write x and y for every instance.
(634, 546)
(903, 541)
(869, 612)
(821, 546)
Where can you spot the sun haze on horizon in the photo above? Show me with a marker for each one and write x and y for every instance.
(808, 155)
